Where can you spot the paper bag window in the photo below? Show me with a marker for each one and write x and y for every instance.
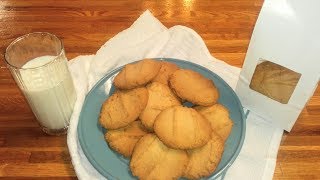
(274, 81)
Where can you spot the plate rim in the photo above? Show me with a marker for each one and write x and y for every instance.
(108, 74)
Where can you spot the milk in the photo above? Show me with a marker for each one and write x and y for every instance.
(49, 90)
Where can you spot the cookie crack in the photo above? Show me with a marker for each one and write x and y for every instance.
(162, 160)
(174, 123)
(124, 108)
(125, 75)
(108, 113)
(146, 150)
(195, 126)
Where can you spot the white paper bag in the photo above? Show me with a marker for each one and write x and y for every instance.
(286, 45)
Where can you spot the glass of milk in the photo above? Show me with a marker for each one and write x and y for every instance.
(38, 64)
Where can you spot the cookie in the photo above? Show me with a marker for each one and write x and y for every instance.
(274, 81)
(193, 87)
(137, 74)
(123, 107)
(124, 139)
(203, 161)
(160, 98)
(182, 128)
(165, 72)
(218, 116)
(151, 159)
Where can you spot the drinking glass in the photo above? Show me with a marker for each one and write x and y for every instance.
(38, 64)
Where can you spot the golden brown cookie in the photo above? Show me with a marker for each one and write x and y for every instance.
(193, 87)
(219, 119)
(160, 98)
(151, 159)
(123, 107)
(165, 72)
(137, 74)
(182, 128)
(124, 139)
(204, 160)
(274, 81)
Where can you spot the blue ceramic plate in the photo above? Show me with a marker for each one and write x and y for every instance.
(112, 165)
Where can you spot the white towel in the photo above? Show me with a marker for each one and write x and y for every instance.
(147, 37)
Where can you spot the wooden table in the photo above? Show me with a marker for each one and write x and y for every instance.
(84, 25)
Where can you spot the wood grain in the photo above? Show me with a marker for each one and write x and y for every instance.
(84, 25)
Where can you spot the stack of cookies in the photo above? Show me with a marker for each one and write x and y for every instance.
(146, 121)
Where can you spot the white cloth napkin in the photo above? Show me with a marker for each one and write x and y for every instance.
(147, 37)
